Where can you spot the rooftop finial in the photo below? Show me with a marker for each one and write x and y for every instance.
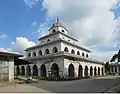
(57, 19)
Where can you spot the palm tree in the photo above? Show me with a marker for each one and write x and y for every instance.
(116, 57)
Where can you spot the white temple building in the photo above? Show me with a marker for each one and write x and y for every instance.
(58, 54)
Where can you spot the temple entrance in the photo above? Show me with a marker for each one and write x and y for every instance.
(95, 71)
(98, 71)
(86, 71)
(43, 70)
(91, 71)
(22, 70)
(18, 70)
(71, 70)
(80, 71)
(35, 70)
(28, 70)
(55, 70)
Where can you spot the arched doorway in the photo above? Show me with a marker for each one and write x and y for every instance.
(43, 70)
(112, 68)
(28, 70)
(18, 70)
(80, 71)
(91, 71)
(95, 71)
(35, 70)
(116, 69)
(86, 71)
(71, 70)
(102, 71)
(23, 70)
(98, 71)
(55, 70)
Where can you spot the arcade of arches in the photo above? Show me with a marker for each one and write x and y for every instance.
(55, 70)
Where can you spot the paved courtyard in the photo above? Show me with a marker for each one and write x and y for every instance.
(85, 85)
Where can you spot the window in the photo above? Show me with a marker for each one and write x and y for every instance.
(29, 54)
(47, 51)
(55, 50)
(53, 30)
(86, 55)
(40, 52)
(78, 53)
(48, 40)
(82, 54)
(66, 49)
(63, 31)
(34, 54)
(72, 51)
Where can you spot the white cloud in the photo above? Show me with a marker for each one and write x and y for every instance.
(3, 36)
(34, 24)
(30, 3)
(21, 43)
(90, 21)
(103, 56)
(5, 49)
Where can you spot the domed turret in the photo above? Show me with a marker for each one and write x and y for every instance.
(57, 26)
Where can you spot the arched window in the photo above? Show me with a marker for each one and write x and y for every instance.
(63, 31)
(53, 30)
(83, 54)
(48, 40)
(40, 52)
(66, 49)
(47, 51)
(29, 54)
(55, 50)
(72, 51)
(34, 53)
(78, 53)
(86, 55)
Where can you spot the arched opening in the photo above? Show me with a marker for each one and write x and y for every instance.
(112, 68)
(91, 71)
(55, 70)
(86, 71)
(83, 54)
(47, 51)
(43, 70)
(71, 70)
(119, 69)
(66, 49)
(98, 71)
(40, 52)
(63, 31)
(78, 53)
(29, 54)
(34, 53)
(95, 71)
(72, 51)
(53, 31)
(35, 70)
(102, 71)
(48, 40)
(86, 55)
(55, 50)
(18, 70)
(28, 70)
(23, 70)
(80, 71)
(116, 69)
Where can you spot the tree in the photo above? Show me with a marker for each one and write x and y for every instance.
(107, 67)
(116, 57)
